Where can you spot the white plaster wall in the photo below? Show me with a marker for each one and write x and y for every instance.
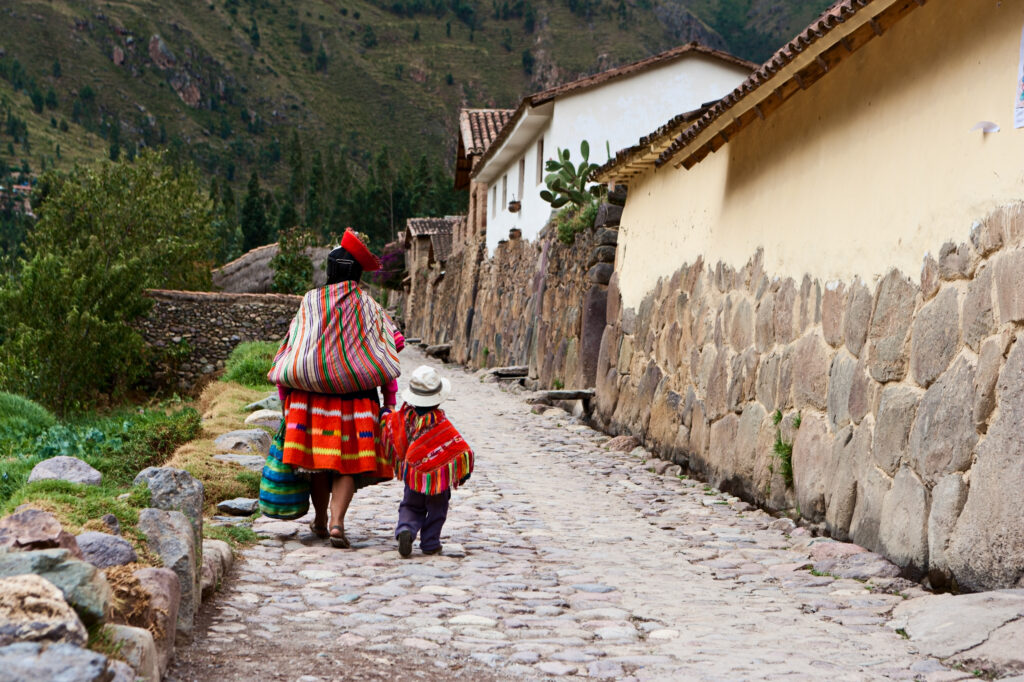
(618, 113)
(871, 168)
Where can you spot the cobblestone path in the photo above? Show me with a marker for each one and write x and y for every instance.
(561, 558)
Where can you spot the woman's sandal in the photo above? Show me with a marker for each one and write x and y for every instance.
(339, 541)
(319, 531)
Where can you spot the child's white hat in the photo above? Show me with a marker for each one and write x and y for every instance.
(426, 388)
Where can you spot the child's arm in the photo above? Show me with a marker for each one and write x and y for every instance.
(390, 391)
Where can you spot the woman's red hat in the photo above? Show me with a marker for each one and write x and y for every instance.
(354, 245)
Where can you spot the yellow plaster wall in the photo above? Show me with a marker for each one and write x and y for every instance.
(871, 168)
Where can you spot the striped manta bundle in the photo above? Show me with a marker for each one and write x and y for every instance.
(426, 451)
(283, 493)
(340, 341)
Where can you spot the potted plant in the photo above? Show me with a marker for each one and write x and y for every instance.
(514, 205)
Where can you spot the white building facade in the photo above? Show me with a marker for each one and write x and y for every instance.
(609, 110)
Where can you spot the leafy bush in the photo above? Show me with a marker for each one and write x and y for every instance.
(568, 183)
(392, 270)
(293, 269)
(22, 416)
(249, 363)
(570, 221)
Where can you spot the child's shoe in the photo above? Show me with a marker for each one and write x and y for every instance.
(405, 544)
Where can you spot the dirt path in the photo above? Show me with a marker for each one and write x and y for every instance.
(561, 559)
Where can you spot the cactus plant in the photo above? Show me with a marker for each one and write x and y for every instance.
(567, 182)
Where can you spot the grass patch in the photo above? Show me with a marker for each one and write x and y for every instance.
(571, 220)
(249, 363)
(236, 536)
(23, 416)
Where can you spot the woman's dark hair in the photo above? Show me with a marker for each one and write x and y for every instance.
(342, 267)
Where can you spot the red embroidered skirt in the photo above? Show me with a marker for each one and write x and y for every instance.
(334, 433)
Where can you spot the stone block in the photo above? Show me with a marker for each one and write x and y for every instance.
(840, 383)
(948, 498)
(32, 609)
(29, 529)
(742, 378)
(164, 590)
(955, 262)
(942, 625)
(625, 357)
(833, 303)
(990, 361)
(741, 330)
(176, 490)
(935, 338)
(786, 314)
(608, 215)
(979, 321)
(595, 303)
(272, 402)
(767, 385)
(1009, 276)
(858, 315)
(811, 361)
(606, 236)
(602, 254)
(943, 437)
(245, 441)
(84, 587)
(239, 506)
(812, 465)
(26, 661)
(986, 549)
(863, 392)
(600, 273)
(764, 324)
(904, 528)
(136, 646)
(217, 560)
(930, 281)
(614, 300)
(872, 487)
(896, 411)
(270, 419)
(63, 468)
(987, 236)
(717, 383)
(103, 550)
(890, 323)
(169, 536)
(852, 446)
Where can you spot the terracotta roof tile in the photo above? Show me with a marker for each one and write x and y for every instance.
(442, 244)
(480, 127)
(425, 227)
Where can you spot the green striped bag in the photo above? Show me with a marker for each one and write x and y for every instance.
(283, 493)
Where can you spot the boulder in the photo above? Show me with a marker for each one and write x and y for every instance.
(608, 215)
(121, 671)
(136, 647)
(251, 462)
(1009, 276)
(83, 586)
(600, 273)
(851, 449)
(863, 393)
(833, 302)
(103, 550)
(812, 465)
(896, 412)
(904, 528)
(217, 559)
(176, 490)
(893, 312)
(943, 625)
(29, 529)
(948, 498)
(271, 402)
(270, 419)
(32, 609)
(858, 566)
(785, 312)
(63, 468)
(622, 443)
(990, 361)
(930, 281)
(811, 361)
(840, 383)
(440, 351)
(943, 437)
(605, 236)
(858, 314)
(978, 318)
(164, 590)
(872, 487)
(169, 535)
(245, 441)
(955, 262)
(935, 338)
(55, 663)
(986, 549)
(239, 506)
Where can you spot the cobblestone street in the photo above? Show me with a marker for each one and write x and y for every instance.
(561, 558)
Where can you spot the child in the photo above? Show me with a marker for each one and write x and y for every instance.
(429, 456)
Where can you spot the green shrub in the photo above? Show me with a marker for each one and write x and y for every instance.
(22, 416)
(249, 363)
(570, 221)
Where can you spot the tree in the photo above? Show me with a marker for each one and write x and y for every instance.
(56, 68)
(305, 41)
(292, 266)
(528, 62)
(255, 231)
(321, 59)
(104, 235)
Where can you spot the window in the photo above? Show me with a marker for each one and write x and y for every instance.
(504, 190)
(494, 201)
(522, 177)
(540, 160)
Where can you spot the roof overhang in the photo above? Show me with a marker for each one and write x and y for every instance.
(526, 124)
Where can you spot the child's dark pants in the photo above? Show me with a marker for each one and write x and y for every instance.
(423, 514)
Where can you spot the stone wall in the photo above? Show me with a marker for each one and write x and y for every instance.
(902, 403)
(194, 332)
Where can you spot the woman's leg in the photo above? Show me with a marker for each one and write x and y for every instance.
(320, 491)
(342, 490)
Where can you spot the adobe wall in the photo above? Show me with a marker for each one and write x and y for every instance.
(903, 402)
(194, 332)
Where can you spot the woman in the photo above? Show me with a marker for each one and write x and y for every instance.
(340, 340)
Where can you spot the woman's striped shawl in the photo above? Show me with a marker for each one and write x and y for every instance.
(427, 453)
(340, 341)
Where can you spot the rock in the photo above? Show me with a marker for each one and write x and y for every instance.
(863, 391)
(121, 671)
(247, 441)
(600, 273)
(764, 324)
(811, 360)
(440, 351)
(890, 324)
(176, 490)
(217, 559)
(32, 609)
(271, 419)
(840, 383)
(872, 487)
(622, 443)
(250, 462)
(103, 550)
(83, 586)
(904, 527)
(858, 314)
(943, 625)
(943, 437)
(859, 566)
(935, 338)
(978, 319)
(812, 465)
(990, 360)
(136, 646)
(112, 524)
(948, 498)
(929, 277)
(29, 529)
(26, 661)
(785, 312)
(1001, 651)
(602, 254)
(64, 468)
(986, 549)
(741, 330)
(896, 412)
(852, 447)
(833, 302)
(510, 372)
(955, 262)
(605, 236)
(272, 402)
(169, 535)
(1009, 276)
(164, 590)
(608, 215)
(239, 506)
